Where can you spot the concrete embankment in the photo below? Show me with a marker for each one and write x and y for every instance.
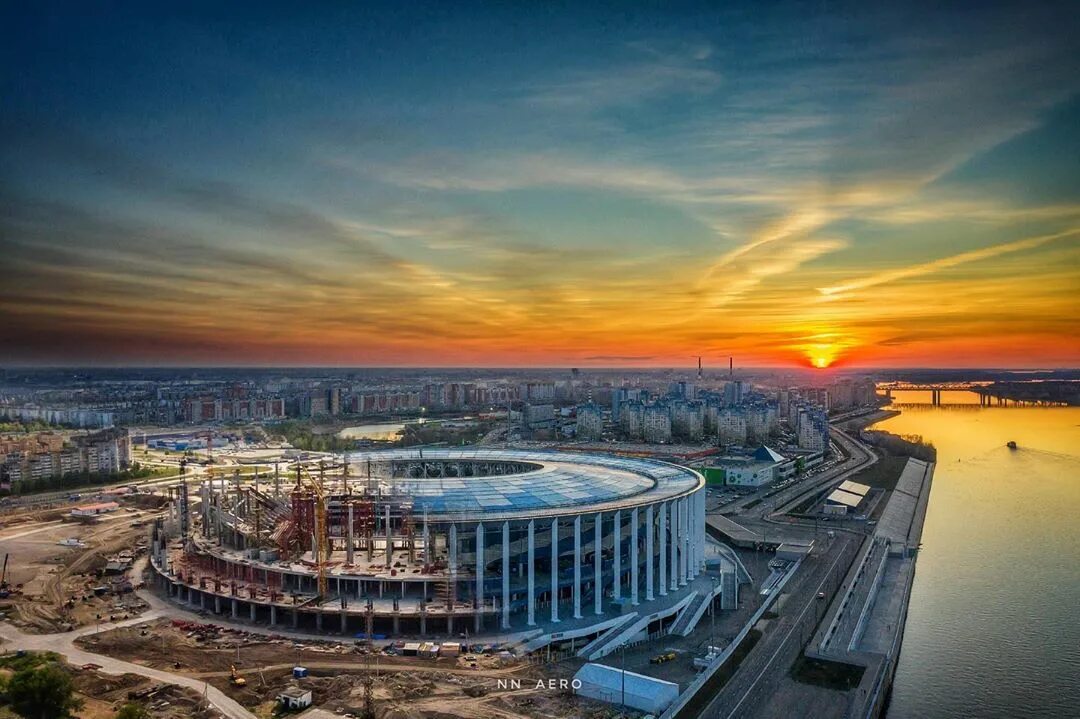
(865, 624)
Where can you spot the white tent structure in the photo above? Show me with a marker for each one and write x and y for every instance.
(607, 684)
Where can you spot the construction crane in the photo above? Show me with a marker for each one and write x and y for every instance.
(4, 591)
(322, 545)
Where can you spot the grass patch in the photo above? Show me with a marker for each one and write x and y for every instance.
(827, 674)
(17, 661)
(884, 474)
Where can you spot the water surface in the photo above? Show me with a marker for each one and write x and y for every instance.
(994, 623)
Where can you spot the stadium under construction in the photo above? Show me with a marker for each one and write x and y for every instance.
(409, 542)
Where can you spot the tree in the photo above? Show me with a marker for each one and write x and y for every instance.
(134, 711)
(44, 692)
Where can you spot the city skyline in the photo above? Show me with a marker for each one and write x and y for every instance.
(441, 186)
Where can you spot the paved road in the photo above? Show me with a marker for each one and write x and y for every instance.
(782, 642)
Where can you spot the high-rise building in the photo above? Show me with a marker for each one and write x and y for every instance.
(590, 421)
(657, 424)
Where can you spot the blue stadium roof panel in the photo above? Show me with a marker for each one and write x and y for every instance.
(563, 483)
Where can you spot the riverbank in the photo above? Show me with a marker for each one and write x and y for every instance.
(862, 631)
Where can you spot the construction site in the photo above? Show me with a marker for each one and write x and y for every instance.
(62, 571)
(485, 542)
(400, 584)
(346, 677)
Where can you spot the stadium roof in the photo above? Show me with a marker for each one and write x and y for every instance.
(564, 483)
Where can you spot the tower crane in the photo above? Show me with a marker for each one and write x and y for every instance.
(322, 544)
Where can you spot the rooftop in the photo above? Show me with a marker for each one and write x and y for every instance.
(563, 483)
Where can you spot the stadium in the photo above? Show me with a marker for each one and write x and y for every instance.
(441, 541)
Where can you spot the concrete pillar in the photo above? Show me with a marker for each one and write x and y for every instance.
(453, 549)
(662, 531)
(251, 611)
(479, 601)
(389, 539)
(202, 601)
(649, 556)
(616, 589)
(506, 575)
(350, 540)
(682, 541)
(295, 618)
(555, 570)
(344, 622)
(577, 567)
(633, 557)
(691, 534)
(273, 615)
(532, 573)
(217, 604)
(427, 541)
(673, 544)
(598, 565)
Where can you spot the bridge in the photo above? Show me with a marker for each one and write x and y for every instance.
(990, 394)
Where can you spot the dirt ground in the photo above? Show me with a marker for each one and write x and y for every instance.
(402, 687)
(52, 584)
(103, 694)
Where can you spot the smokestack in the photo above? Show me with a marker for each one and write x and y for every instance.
(699, 367)
(731, 366)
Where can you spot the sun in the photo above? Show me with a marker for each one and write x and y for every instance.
(820, 362)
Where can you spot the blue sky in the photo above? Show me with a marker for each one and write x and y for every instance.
(540, 183)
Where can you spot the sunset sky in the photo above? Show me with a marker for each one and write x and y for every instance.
(540, 184)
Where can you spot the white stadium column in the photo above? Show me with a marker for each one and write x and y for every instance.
(650, 556)
(577, 567)
(598, 565)
(662, 531)
(532, 573)
(684, 521)
(453, 549)
(634, 557)
(506, 575)
(699, 534)
(673, 544)
(616, 588)
(479, 572)
(692, 537)
(555, 570)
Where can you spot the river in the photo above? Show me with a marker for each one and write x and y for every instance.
(993, 628)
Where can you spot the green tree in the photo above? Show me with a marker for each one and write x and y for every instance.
(134, 711)
(44, 692)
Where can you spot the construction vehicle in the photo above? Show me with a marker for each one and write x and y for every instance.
(235, 679)
(662, 658)
(5, 592)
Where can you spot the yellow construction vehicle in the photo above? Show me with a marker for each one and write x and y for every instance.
(235, 679)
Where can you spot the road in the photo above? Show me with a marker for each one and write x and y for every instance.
(781, 643)
(858, 458)
(64, 645)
